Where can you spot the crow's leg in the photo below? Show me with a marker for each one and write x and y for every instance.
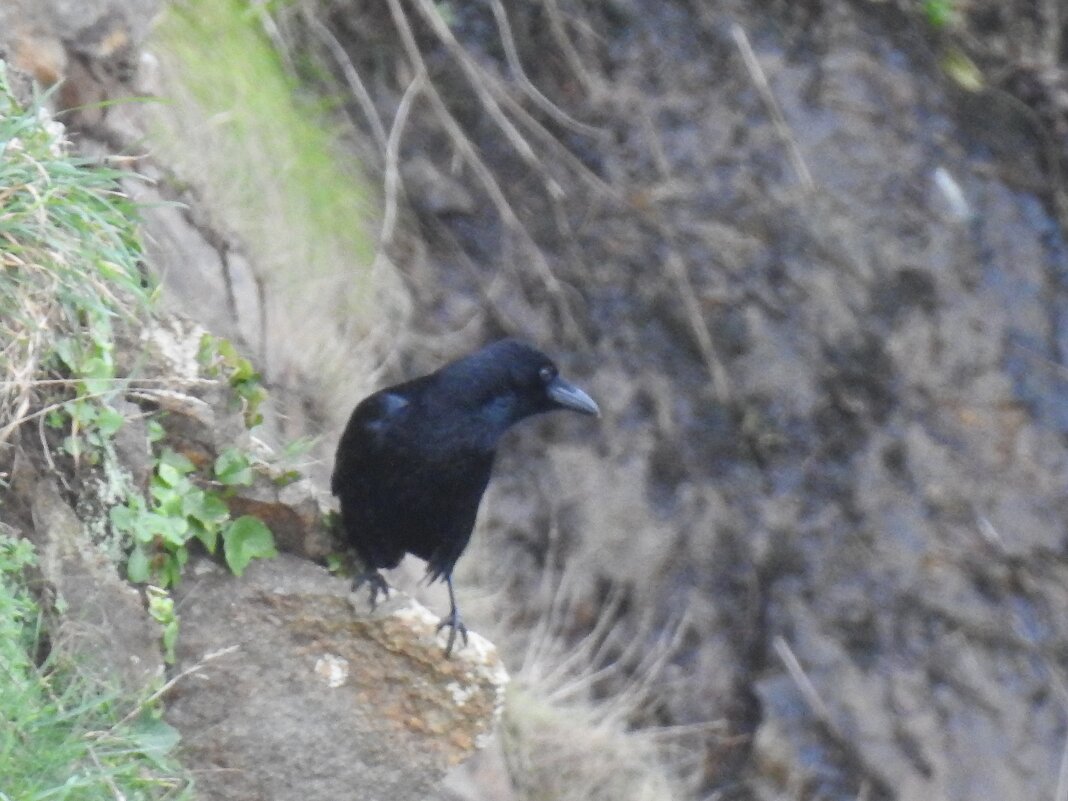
(452, 620)
(378, 584)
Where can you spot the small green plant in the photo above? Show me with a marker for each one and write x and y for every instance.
(180, 510)
(285, 468)
(59, 737)
(219, 357)
(939, 13)
(161, 608)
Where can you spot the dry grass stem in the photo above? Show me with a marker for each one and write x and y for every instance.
(189, 671)
(522, 116)
(391, 181)
(47, 451)
(478, 80)
(567, 47)
(803, 682)
(1052, 29)
(681, 276)
(555, 733)
(352, 78)
(130, 383)
(532, 91)
(453, 128)
(5, 432)
(485, 175)
(760, 81)
(1061, 793)
(679, 272)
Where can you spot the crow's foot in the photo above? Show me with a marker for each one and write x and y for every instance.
(378, 585)
(452, 620)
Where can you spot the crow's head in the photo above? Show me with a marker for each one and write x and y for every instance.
(508, 381)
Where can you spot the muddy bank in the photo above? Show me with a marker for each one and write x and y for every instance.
(825, 321)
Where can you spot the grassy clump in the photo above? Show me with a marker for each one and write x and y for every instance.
(59, 738)
(568, 730)
(69, 269)
(566, 752)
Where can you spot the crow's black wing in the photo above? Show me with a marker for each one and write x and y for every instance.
(365, 436)
(365, 478)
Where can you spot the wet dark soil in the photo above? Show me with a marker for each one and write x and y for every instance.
(826, 322)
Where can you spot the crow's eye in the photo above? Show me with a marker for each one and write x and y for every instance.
(547, 373)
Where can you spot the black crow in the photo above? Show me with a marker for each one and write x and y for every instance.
(415, 458)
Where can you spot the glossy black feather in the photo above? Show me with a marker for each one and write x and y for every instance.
(415, 458)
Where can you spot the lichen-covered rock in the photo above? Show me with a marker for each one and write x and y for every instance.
(104, 625)
(319, 698)
(88, 47)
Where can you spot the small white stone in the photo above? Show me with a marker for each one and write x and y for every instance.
(460, 694)
(333, 669)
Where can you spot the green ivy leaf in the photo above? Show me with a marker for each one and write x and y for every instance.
(73, 446)
(109, 420)
(173, 530)
(205, 507)
(226, 350)
(169, 500)
(170, 639)
(155, 737)
(65, 349)
(137, 565)
(97, 373)
(123, 518)
(167, 475)
(176, 460)
(170, 572)
(208, 535)
(82, 412)
(233, 469)
(245, 539)
(155, 431)
(160, 605)
(243, 372)
(207, 350)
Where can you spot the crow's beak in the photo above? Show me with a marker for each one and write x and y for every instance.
(571, 397)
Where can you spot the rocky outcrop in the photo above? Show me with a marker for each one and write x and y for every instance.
(286, 684)
(104, 623)
(86, 48)
(296, 691)
(291, 685)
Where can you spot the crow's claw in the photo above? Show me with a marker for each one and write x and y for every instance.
(378, 585)
(452, 620)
